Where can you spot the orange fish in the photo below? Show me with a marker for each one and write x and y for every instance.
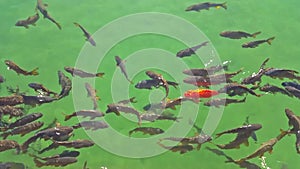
(200, 93)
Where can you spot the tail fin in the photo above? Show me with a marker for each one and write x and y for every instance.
(58, 25)
(223, 5)
(34, 72)
(38, 163)
(130, 132)
(269, 41)
(255, 34)
(76, 24)
(4, 135)
(99, 74)
(68, 117)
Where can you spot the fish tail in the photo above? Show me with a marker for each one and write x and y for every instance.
(99, 74)
(68, 117)
(58, 25)
(34, 72)
(255, 34)
(4, 135)
(130, 132)
(76, 24)
(38, 163)
(223, 5)
(269, 41)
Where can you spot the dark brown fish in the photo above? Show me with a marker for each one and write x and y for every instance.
(205, 6)
(57, 162)
(265, 147)
(29, 21)
(42, 8)
(11, 65)
(294, 120)
(86, 34)
(199, 140)
(117, 108)
(282, 73)
(292, 84)
(274, 89)
(171, 103)
(238, 34)
(65, 83)
(223, 102)
(75, 143)
(295, 92)
(9, 144)
(149, 83)
(190, 51)
(2, 79)
(121, 65)
(39, 87)
(65, 153)
(147, 130)
(256, 77)
(23, 130)
(12, 165)
(91, 92)
(93, 125)
(233, 89)
(24, 120)
(85, 113)
(130, 100)
(77, 72)
(11, 111)
(37, 100)
(181, 148)
(150, 116)
(243, 134)
(160, 78)
(205, 71)
(255, 44)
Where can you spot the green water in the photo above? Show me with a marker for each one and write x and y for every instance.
(50, 49)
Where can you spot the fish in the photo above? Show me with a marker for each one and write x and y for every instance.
(23, 121)
(205, 6)
(171, 103)
(77, 72)
(12, 165)
(255, 78)
(205, 71)
(13, 66)
(42, 8)
(243, 134)
(65, 83)
(223, 102)
(65, 153)
(163, 82)
(117, 108)
(233, 89)
(8, 145)
(55, 133)
(86, 34)
(11, 111)
(255, 44)
(42, 88)
(57, 162)
(93, 125)
(77, 144)
(91, 92)
(282, 73)
(292, 84)
(265, 147)
(121, 65)
(147, 130)
(37, 100)
(85, 113)
(198, 139)
(29, 21)
(2, 79)
(181, 148)
(212, 79)
(190, 51)
(274, 89)
(149, 83)
(23, 130)
(238, 34)
(297, 144)
(295, 92)
(85, 165)
(200, 93)
(150, 116)
(294, 120)
(127, 101)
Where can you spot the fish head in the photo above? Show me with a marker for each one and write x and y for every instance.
(68, 69)
(9, 63)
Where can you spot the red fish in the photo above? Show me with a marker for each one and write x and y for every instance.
(200, 93)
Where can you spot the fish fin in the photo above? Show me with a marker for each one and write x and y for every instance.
(34, 72)
(58, 25)
(240, 161)
(46, 5)
(4, 135)
(99, 74)
(238, 147)
(246, 143)
(218, 135)
(76, 24)
(38, 163)
(223, 5)
(255, 34)
(130, 132)
(269, 41)
(26, 26)
(68, 117)
(33, 24)
(173, 108)
(199, 147)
